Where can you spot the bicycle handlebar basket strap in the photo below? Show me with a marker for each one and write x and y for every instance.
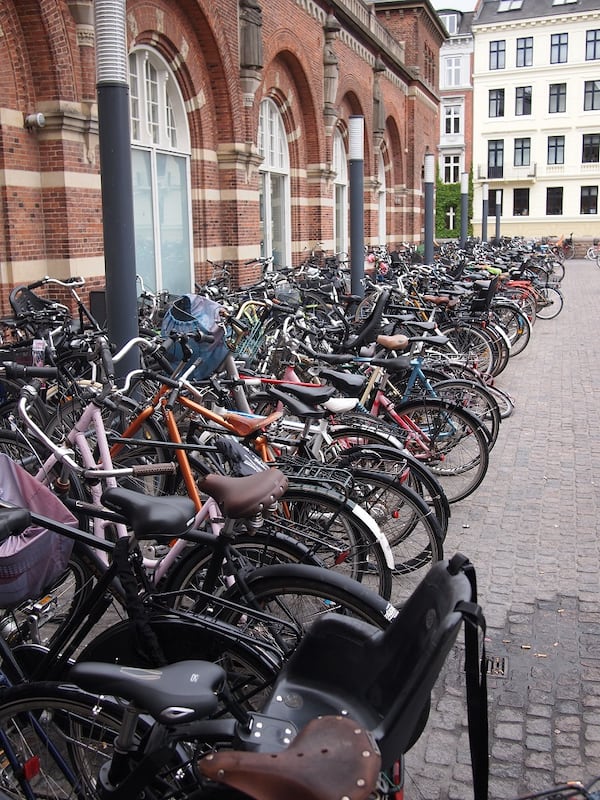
(34, 559)
(190, 314)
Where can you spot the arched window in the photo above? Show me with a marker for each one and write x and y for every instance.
(340, 183)
(160, 155)
(381, 201)
(274, 185)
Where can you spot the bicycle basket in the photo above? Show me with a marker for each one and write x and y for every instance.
(32, 561)
(193, 313)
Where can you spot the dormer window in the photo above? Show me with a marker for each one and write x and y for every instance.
(510, 5)
(450, 22)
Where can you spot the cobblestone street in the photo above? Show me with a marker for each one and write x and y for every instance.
(531, 530)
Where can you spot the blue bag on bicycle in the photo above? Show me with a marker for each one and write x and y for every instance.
(191, 314)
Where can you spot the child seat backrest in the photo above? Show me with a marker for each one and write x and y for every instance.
(370, 328)
(383, 679)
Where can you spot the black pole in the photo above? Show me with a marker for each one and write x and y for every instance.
(429, 175)
(484, 211)
(498, 209)
(116, 177)
(357, 199)
(464, 209)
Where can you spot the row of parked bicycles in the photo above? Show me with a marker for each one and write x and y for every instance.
(223, 574)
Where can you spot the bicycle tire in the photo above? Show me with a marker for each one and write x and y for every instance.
(408, 523)
(258, 549)
(516, 324)
(471, 344)
(82, 728)
(476, 399)
(409, 470)
(551, 302)
(300, 594)
(449, 432)
(338, 532)
(329, 525)
(58, 603)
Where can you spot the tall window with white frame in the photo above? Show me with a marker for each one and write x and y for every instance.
(274, 189)
(381, 201)
(160, 155)
(452, 119)
(340, 194)
(452, 169)
(452, 71)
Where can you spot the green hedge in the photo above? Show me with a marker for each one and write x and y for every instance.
(448, 195)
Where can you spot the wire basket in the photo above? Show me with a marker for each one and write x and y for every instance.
(315, 472)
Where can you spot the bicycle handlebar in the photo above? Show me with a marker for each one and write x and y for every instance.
(11, 369)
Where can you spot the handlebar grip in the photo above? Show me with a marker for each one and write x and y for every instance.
(13, 521)
(18, 371)
(199, 336)
(107, 359)
(37, 284)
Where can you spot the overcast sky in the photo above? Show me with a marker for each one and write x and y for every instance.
(460, 5)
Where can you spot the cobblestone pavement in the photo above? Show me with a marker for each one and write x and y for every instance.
(531, 529)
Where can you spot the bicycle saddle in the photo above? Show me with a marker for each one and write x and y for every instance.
(244, 497)
(330, 757)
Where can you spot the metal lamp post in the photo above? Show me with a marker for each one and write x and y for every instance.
(464, 208)
(429, 179)
(484, 211)
(116, 175)
(356, 144)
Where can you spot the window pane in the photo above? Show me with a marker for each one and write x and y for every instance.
(522, 152)
(173, 220)
(589, 200)
(495, 158)
(558, 98)
(145, 261)
(525, 51)
(591, 96)
(592, 45)
(558, 48)
(591, 148)
(497, 54)
(523, 100)
(496, 103)
(278, 233)
(556, 150)
(520, 202)
(554, 200)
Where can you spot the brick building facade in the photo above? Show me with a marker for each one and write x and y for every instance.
(318, 62)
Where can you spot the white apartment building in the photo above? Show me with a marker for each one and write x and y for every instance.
(536, 120)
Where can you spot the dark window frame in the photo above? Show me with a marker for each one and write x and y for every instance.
(590, 148)
(559, 48)
(588, 202)
(557, 97)
(524, 51)
(554, 201)
(498, 54)
(523, 101)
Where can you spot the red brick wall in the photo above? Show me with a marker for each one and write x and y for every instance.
(51, 206)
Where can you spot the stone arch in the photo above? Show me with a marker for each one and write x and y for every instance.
(287, 83)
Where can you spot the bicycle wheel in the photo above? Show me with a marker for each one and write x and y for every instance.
(550, 302)
(59, 736)
(38, 620)
(294, 596)
(141, 449)
(252, 550)
(450, 440)
(338, 531)
(471, 344)
(476, 399)
(408, 523)
(406, 469)
(516, 324)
